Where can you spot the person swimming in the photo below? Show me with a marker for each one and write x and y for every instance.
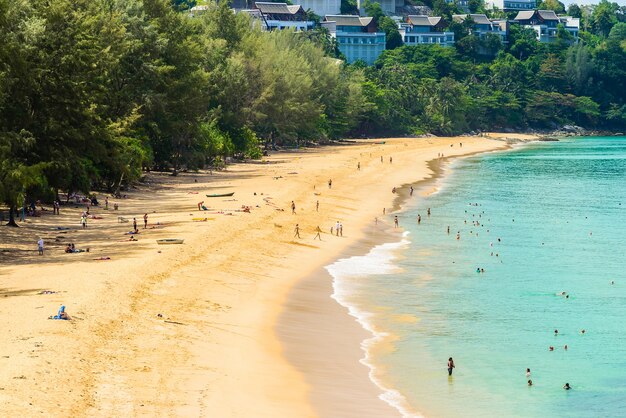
(530, 382)
(527, 372)
(567, 386)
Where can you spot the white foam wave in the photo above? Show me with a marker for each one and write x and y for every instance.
(378, 261)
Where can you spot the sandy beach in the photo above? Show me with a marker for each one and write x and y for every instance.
(200, 329)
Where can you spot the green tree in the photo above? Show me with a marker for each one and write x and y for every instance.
(445, 103)
(523, 42)
(374, 10)
(579, 69)
(393, 37)
(474, 5)
(604, 17)
(574, 10)
(349, 7)
(555, 5)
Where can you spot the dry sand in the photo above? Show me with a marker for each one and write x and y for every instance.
(215, 351)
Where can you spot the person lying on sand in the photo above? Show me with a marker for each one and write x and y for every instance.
(61, 314)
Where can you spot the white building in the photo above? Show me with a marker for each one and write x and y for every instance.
(511, 5)
(279, 16)
(482, 25)
(546, 22)
(321, 7)
(388, 6)
(425, 30)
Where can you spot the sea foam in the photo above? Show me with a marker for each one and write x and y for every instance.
(380, 260)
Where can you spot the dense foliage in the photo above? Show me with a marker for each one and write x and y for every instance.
(94, 92)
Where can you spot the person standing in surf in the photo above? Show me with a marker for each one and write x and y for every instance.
(450, 366)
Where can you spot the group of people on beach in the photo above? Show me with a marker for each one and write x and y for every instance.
(71, 248)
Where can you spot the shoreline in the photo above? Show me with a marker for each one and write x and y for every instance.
(342, 379)
(214, 350)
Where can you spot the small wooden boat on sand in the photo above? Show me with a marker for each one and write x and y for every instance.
(221, 194)
(169, 241)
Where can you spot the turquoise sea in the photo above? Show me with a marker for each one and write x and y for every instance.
(553, 214)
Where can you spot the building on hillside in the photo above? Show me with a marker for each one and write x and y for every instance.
(546, 22)
(481, 25)
(388, 6)
(198, 10)
(321, 7)
(357, 37)
(279, 16)
(511, 5)
(426, 30)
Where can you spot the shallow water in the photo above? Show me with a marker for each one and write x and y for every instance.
(559, 209)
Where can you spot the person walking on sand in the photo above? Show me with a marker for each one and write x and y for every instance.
(384, 210)
(381, 158)
(83, 220)
(358, 166)
(293, 207)
(390, 160)
(135, 225)
(318, 231)
(411, 191)
(40, 246)
(450, 366)
(337, 226)
(395, 221)
(106, 203)
(145, 220)
(317, 206)
(330, 183)
(340, 229)
(297, 231)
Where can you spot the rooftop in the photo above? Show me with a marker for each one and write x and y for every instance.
(278, 8)
(349, 20)
(542, 14)
(422, 20)
(478, 19)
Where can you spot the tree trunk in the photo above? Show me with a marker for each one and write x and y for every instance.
(12, 216)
